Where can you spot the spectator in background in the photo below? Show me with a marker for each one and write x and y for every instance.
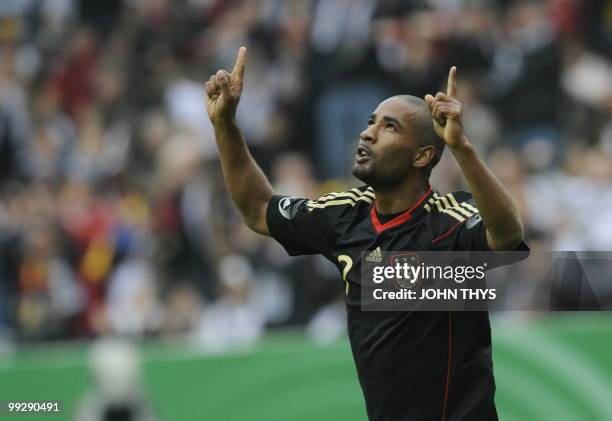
(233, 321)
(14, 116)
(525, 74)
(345, 75)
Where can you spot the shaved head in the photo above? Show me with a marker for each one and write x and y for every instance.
(424, 132)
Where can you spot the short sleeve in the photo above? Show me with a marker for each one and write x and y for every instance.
(298, 229)
(469, 232)
(471, 235)
(474, 238)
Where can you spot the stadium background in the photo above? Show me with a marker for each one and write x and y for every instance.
(114, 221)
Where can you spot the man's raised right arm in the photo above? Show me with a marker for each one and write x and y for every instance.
(248, 186)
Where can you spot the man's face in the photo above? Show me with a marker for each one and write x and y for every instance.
(387, 146)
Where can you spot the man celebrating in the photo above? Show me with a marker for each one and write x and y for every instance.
(411, 365)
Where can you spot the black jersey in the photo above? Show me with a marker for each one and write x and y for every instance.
(411, 365)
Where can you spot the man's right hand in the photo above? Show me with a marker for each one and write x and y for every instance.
(223, 90)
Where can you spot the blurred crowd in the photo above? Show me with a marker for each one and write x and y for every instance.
(113, 213)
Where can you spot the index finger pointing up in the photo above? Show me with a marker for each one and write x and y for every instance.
(451, 89)
(240, 60)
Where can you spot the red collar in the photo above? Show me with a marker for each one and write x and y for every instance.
(399, 219)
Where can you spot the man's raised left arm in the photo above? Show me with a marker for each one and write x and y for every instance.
(504, 228)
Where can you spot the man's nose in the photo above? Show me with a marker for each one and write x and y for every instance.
(368, 135)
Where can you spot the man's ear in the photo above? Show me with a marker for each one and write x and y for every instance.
(424, 156)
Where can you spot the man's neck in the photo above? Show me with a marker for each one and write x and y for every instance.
(399, 199)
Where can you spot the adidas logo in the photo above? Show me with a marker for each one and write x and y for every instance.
(375, 256)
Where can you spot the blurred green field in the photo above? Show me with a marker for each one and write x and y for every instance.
(553, 368)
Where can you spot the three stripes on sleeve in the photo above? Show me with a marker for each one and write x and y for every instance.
(449, 205)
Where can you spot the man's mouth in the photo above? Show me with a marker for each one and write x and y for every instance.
(363, 154)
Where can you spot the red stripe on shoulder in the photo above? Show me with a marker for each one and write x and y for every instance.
(447, 233)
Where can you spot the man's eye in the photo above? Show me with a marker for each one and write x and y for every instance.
(390, 126)
(370, 122)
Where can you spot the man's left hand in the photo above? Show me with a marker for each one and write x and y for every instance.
(446, 111)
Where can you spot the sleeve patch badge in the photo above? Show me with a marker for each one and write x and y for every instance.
(473, 220)
(288, 207)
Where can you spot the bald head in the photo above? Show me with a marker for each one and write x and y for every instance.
(422, 126)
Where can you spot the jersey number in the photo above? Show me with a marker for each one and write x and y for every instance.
(343, 258)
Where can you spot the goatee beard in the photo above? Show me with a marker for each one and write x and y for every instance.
(379, 183)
